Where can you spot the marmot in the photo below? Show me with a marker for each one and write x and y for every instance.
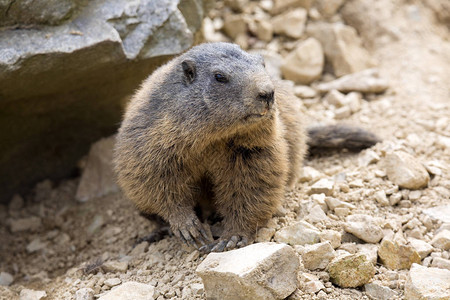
(211, 117)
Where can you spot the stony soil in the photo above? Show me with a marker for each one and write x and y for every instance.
(68, 242)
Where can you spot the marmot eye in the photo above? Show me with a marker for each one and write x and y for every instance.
(220, 78)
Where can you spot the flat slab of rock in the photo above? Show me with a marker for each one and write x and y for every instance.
(367, 81)
(441, 213)
(404, 170)
(300, 233)
(258, 271)
(427, 283)
(351, 270)
(395, 256)
(130, 291)
(364, 227)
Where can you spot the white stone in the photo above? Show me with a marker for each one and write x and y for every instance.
(316, 214)
(291, 23)
(334, 203)
(370, 251)
(441, 213)
(341, 211)
(300, 233)
(442, 240)
(422, 247)
(6, 279)
(313, 286)
(84, 294)
(368, 157)
(304, 91)
(378, 292)
(353, 101)
(427, 283)
(197, 288)
(324, 186)
(310, 174)
(112, 282)
(305, 63)
(98, 178)
(28, 294)
(336, 98)
(441, 263)
(404, 170)
(364, 227)
(342, 112)
(366, 81)
(380, 197)
(331, 236)
(342, 47)
(35, 245)
(131, 291)
(25, 224)
(258, 271)
(317, 256)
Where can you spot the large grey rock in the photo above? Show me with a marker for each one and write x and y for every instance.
(427, 283)
(26, 12)
(258, 271)
(63, 87)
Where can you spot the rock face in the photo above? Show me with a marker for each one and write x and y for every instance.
(258, 271)
(427, 283)
(405, 171)
(62, 86)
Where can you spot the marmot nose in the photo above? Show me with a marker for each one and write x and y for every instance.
(267, 97)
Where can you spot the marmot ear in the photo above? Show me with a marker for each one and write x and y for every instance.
(189, 70)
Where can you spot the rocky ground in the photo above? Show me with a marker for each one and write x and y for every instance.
(383, 213)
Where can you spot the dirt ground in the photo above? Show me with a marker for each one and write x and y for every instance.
(414, 114)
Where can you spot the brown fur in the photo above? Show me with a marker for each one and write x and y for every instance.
(184, 127)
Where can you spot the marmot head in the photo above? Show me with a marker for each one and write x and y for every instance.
(232, 86)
